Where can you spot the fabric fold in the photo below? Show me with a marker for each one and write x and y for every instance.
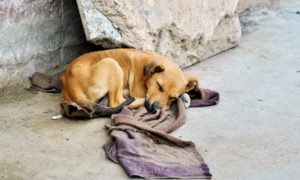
(145, 149)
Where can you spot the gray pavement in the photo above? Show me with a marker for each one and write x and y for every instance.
(254, 132)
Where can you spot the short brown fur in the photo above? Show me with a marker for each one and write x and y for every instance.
(136, 73)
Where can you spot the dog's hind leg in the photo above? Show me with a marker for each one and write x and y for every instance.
(108, 78)
(116, 97)
(116, 88)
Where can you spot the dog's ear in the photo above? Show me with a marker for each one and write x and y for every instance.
(193, 83)
(153, 68)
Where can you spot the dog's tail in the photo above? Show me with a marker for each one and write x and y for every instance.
(107, 111)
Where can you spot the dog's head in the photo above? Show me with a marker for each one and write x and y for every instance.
(166, 84)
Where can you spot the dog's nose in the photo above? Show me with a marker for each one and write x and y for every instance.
(151, 107)
(155, 106)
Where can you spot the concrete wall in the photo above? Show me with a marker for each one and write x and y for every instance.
(37, 35)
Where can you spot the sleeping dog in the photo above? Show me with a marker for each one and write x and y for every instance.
(150, 79)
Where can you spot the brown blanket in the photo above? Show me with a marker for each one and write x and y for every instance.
(142, 146)
(141, 143)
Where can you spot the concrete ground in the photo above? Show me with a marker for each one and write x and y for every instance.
(254, 132)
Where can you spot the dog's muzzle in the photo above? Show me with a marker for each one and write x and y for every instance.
(151, 107)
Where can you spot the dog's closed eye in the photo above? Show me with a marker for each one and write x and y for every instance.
(172, 98)
(160, 87)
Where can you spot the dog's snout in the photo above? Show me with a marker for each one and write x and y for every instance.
(148, 105)
(155, 106)
(151, 107)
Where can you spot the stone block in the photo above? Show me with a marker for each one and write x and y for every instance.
(184, 31)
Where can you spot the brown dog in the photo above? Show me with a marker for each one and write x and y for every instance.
(146, 76)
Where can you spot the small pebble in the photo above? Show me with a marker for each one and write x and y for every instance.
(57, 117)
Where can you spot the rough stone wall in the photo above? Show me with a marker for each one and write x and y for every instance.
(37, 35)
(184, 31)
